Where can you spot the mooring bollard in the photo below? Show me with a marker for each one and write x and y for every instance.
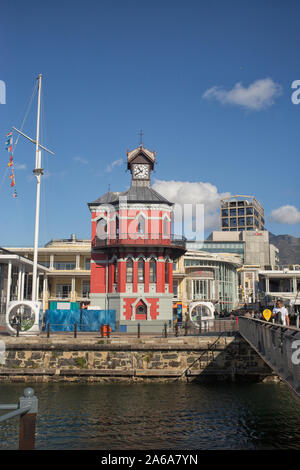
(28, 420)
(48, 330)
(75, 330)
(18, 329)
(165, 331)
(139, 330)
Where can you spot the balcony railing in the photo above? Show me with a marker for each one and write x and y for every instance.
(174, 241)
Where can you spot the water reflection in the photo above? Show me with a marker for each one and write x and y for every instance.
(154, 416)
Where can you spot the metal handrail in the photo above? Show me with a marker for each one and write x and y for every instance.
(12, 414)
(139, 238)
(27, 409)
(275, 344)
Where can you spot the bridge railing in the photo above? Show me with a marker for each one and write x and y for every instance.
(27, 409)
(278, 345)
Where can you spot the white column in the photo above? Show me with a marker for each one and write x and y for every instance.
(73, 289)
(77, 261)
(294, 284)
(51, 266)
(22, 283)
(45, 282)
(8, 284)
(19, 282)
(267, 284)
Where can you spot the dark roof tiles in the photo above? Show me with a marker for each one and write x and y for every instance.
(133, 194)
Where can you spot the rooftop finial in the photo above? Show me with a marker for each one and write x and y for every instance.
(141, 137)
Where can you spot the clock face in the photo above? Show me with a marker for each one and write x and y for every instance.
(141, 171)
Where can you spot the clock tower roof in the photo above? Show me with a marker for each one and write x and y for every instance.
(140, 155)
(140, 161)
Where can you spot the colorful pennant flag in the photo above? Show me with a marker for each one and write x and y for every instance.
(9, 148)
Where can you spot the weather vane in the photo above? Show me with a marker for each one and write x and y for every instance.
(141, 137)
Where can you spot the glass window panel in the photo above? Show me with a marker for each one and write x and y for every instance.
(225, 222)
(166, 272)
(129, 271)
(141, 270)
(152, 271)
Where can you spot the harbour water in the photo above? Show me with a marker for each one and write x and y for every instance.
(159, 416)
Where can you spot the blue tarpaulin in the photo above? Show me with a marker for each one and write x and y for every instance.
(86, 320)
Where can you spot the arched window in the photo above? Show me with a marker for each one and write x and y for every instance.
(117, 225)
(141, 227)
(167, 271)
(152, 270)
(129, 271)
(141, 311)
(141, 270)
(115, 272)
(101, 229)
(165, 227)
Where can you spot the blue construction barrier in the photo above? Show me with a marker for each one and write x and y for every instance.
(91, 320)
(86, 320)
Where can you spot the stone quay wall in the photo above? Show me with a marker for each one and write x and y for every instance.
(94, 360)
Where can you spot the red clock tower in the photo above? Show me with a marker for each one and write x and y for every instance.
(133, 250)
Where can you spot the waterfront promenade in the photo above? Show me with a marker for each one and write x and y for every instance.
(88, 357)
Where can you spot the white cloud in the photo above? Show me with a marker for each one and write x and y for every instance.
(259, 94)
(111, 166)
(80, 160)
(186, 192)
(286, 215)
(20, 166)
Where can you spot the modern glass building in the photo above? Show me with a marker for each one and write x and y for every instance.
(209, 277)
(233, 247)
(240, 213)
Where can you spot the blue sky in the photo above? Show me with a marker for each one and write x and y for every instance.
(112, 68)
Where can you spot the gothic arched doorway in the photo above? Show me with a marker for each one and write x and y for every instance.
(141, 311)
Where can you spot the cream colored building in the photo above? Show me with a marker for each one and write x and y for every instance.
(68, 277)
(197, 275)
(200, 275)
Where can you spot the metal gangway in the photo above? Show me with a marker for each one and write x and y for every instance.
(277, 345)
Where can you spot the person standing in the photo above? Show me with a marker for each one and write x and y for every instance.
(281, 314)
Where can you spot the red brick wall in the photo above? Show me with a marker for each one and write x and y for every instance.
(127, 309)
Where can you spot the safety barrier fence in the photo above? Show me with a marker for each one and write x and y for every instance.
(205, 328)
(278, 345)
(27, 409)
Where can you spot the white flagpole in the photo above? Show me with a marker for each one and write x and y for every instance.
(38, 172)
